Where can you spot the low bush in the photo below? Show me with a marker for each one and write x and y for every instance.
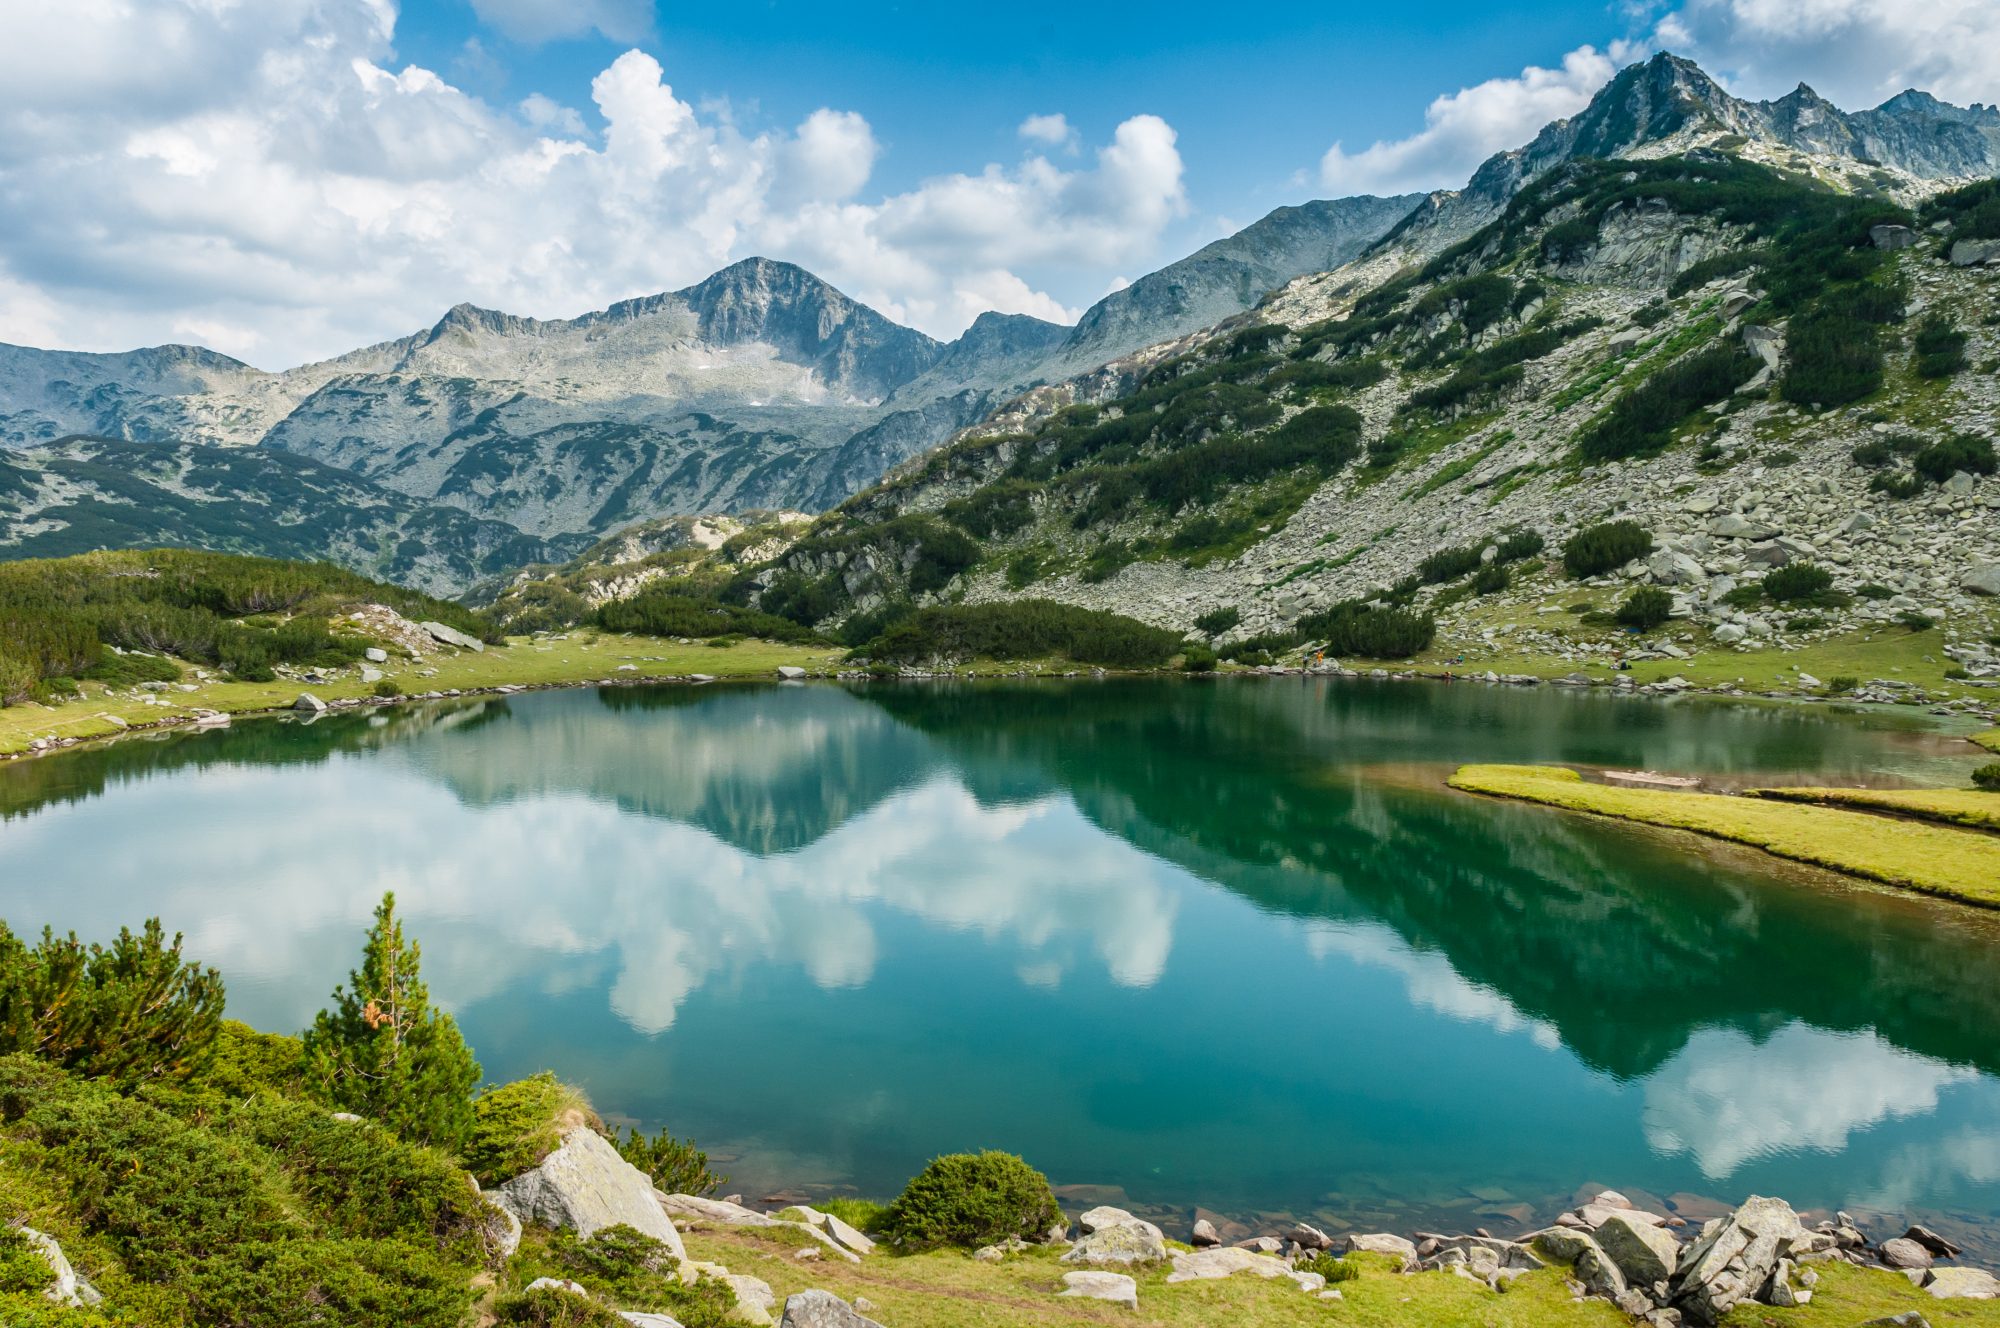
(1797, 583)
(130, 1012)
(514, 1126)
(675, 1165)
(1844, 682)
(1023, 629)
(1897, 484)
(1490, 579)
(1645, 608)
(1198, 659)
(1520, 544)
(1448, 564)
(1966, 452)
(1987, 777)
(1352, 628)
(549, 1307)
(971, 1199)
(661, 612)
(1940, 347)
(1643, 420)
(1602, 548)
(1217, 621)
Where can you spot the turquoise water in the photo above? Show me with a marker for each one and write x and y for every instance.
(1227, 944)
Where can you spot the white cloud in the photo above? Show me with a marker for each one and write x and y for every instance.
(1857, 53)
(267, 170)
(1728, 1101)
(1463, 128)
(1051, 131)
(537, 21)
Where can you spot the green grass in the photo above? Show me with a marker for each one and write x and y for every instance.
(585, 656)
(1935, 859)
(946, 1289)
(1969, 807)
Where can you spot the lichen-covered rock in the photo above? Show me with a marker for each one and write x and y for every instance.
(1120, 1244)
(1207, 1265)
(1380, 1242)
(822, 1309)
(585, 1186)
(66, 1285)
(1643, 1251)
(1962, 1284)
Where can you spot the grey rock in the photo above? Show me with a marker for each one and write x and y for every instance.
(1206, 1265)
(1981, 579)
(1732, 526)
(1891, 237)
(1907, 1319)
(1380, 1242)
(561, 1284)
(644, 1319)
(375, 655)
(1962, 1284)
(1114, 1287)
(309, 704)
(502, 1229)
(822, 1309)
(66, 1285)
(1971, 253)
(451, 636)
(1205, 1234)
(1309, 1237)
(1903, 1252)
(791, 671)
(585, 1186)
(1122, 1244)
(1734, 1258)
(1642, 1249)
(1930, 1240)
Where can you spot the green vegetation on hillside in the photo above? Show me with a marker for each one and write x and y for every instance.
(123, 618)
(1022, 629)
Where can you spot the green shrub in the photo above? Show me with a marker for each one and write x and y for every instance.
(1873, 454)
(383, 1052)
(1916, 620)
(1966, 452)
(1797, 583)
(130, 1012)
(1746, 596)
(1448, 564)
(1844, 682)
(309, 1284)
(1645, 608)
(514, 1126)
(1521, 544)
(1107, 561)
(1217, 621)
(1023, 629)
(1832, 358)
(1874, 590)
(1643, 420)
(661, 612)
(864, 1215)
(550, 1307)
(1490, 579)
(1352, 628)
(1330, 1266)
(1198, 659)
(1602, 548)
(1897, 484)
(1024, 570)
(387, 689)
(1987, 777)
(1940, 347)
(675, 1165)
(970, 1199)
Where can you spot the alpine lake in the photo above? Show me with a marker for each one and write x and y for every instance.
(1225, 943)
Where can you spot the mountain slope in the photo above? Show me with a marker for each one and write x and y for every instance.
(83, 494)
(1759, 372)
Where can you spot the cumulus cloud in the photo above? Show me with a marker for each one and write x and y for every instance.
(271, 173)
(1855, 52)
(1050, 130)
(1463, 128)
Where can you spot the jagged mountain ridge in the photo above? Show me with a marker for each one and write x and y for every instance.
(761, 386)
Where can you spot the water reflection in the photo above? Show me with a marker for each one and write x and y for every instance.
(1225, 944)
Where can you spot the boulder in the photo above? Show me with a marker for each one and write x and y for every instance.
(1675, 569)
(1732, 526)
(1735, 302)
(1903, 1252)
(1209, 1265)
(375, 655)
(1891, 237)
(1734, 1258)
(1982, 578)
(1205, 1235)
(309, 704)
(1962, 1284)
(502, 1228)
(822, 1309)
(1114, 1287)
(1309, 1237)
(1930, 1240)
(1122, 1244)
(1766, 343)
(563, 1285)
(1380, 1242)
(791, 672)
(695, 1208)
(1971, 253)
(585, 1186)
(642, 1319)
(451, 636)
(1907, 1319)
(1643, 1250)
(840, 1231)
(1586, 1258)
(754, 1298)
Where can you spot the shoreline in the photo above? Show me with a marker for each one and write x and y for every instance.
(200, 717)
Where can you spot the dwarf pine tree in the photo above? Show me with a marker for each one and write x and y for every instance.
(383, 1052)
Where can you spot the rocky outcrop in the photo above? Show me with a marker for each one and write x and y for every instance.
(1112, 1236)
(585, 1186)
(1209, 1265)
(1745, 1256)
(822, 1309)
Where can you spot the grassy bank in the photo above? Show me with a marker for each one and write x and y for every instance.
(582, 656)
(1936, 859)
(947, 1289)
(1969, 807)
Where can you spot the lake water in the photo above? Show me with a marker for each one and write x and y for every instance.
(1227, 943)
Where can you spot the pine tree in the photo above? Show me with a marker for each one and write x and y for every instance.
(383, 1052)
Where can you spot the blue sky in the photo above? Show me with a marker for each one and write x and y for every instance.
(283, 180)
